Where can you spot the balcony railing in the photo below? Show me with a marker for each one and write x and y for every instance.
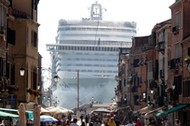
(18, 13)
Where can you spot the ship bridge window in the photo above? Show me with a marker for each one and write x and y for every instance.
(79, 65)
(65, 48)
(67, 28)
(110, 65)
(77, 59)
(83, 70)
(86, 53)
(109, 71)
(96, 71)
(88, 64)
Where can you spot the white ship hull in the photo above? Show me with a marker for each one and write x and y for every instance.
(90, 46)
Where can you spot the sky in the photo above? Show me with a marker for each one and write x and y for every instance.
(146, 13)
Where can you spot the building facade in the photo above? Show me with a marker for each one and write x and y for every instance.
(162, 82)
(21, 35)
(3, 51)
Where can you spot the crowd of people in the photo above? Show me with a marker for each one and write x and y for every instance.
(93, 120)
(110, 120)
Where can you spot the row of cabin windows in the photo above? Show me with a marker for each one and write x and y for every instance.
(90, 59)
(95, 42)
(86, 48)
(92, 71)
(93, 29)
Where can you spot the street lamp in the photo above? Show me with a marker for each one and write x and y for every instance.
(22, 71)
(56, 78)
(152, 91)
(144, 95)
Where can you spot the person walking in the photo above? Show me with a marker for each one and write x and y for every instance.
(177, 122)
(87, 119)
(83, 123)
(130, 123)
(67, 123)
(2, 123)
(74, 123)
(111, 122)
(139, 123)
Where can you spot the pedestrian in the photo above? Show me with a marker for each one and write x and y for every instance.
(139, 123)
(146, 121)
(83, 123)
(86, 119)
(69, 117)
(130, 123)
(74, 123)
(2, 123)
(111, 122)
(81, 118)
(67, 123)
(177, 122)
(117, 121)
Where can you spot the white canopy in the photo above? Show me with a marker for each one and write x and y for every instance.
(59, 110)
(103, 110)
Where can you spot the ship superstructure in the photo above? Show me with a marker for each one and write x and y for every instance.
(91, 47)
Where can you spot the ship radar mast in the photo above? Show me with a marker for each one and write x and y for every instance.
(96, 11)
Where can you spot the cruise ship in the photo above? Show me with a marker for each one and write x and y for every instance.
(85, 57)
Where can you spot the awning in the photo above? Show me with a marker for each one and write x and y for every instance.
(142, 110)
(123, 108)
(5, 114)
(165, 113)
(101, 110)
(29, 113)
(153, 112)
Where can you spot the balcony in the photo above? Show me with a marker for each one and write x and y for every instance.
(19, 14)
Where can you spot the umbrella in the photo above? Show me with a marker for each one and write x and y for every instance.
(47, 118)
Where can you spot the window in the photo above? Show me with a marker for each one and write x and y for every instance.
(34, 79)
(1, 66)
(150, 69)
(178, 52)
(177, 19)
(186, 88)
(11, 36)
(188, 51)
(34, 39)
(176, 23)
(34, 5)
(3, 19)
(12, 74)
